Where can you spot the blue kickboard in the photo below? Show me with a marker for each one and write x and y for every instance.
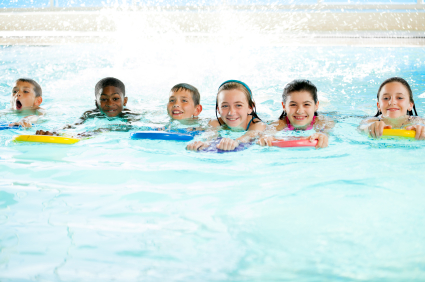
(161, 135)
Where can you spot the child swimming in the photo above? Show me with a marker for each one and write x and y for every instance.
(26, 99)
(300, 105)
(184, 102)
(237, 111)
(395, 110)
(110, 103)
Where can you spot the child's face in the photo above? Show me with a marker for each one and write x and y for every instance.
(234, 108)
(112, 101)
(300, 108)
(181, 106)
(23, 96)
(394, 100)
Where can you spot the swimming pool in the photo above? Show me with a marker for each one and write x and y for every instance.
(111, 208)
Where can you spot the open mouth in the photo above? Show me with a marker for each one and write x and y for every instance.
(18, 105)
(177, 112)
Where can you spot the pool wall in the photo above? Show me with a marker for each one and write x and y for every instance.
(320, 23)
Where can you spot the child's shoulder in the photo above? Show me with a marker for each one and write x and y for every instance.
(214, 123)
(257, 124)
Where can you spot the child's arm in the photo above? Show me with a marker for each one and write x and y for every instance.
(253, 132)
(210, 134)
(374, 127)
(324, 125)
(29, 120)
(267, 137)
(418, 127)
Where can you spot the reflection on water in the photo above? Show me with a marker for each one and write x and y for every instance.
(112, 208)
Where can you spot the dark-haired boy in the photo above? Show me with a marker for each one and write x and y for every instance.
(184, 102)
(26, 99)
(110, 102)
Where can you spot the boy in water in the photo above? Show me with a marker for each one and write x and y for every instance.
(184, 102)
(110, 102)
(26, 99)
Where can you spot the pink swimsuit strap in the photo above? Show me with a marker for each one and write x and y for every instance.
(291, 127)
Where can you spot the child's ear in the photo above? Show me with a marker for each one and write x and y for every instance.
(316, 107)
(198, 110)
(38, 101)
(379, 107)
(125, 101)
(283, 106)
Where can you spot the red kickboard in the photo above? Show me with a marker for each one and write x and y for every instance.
(294, 143)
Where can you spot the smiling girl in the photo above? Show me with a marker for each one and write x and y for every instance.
(300, 105)
(395, 110)
(237, 112)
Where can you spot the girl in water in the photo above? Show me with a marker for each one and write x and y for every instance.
(395, 110)
(300, 105)
(237, 111)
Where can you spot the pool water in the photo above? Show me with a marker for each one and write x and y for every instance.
(114, 209)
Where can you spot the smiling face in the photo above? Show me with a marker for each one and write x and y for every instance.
(111, 101)
(300, 108)
(23, 96)
(233, 108)
(181, 106)
(394, 100)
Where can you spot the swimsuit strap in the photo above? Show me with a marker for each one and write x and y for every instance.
(249, 123)
(288, 124)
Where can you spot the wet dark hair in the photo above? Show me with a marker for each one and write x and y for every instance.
(196, 97)
(37, 87)
(108, 81)
(234, 84)
(296, 86)
(405, 84)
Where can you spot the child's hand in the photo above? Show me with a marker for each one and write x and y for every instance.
(420, 131)
(322, 140)
(377, 128)
(227, 144)
(22, 123)
(266, 141)
(197, 146)
(42, 132)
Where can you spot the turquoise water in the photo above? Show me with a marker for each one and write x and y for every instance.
(111, 208)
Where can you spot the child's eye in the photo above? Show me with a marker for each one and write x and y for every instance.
(400, 98)
(184, 100)
(171, 101)
(224, 106)
(116, 99)
(103, 100)
(385, 98)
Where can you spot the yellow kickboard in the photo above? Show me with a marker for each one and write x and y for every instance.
(45, 139)
(399, 132)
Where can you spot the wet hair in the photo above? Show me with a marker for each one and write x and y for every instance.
(236, 84)
(108, 81)
(37, 87)
(196, 97)
(296, 86)
(405, 84)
